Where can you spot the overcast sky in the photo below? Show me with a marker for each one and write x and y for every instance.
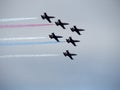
(97, 65)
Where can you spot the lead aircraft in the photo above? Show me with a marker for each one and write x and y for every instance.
(45, 16)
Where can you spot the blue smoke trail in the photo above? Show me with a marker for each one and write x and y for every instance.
(28, 43)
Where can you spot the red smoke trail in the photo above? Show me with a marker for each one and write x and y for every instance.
(24, 25)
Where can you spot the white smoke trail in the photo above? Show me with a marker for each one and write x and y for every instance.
(17, 19)
(21, 38)
(28, 55)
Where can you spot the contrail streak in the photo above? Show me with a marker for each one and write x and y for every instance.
(21, 38)
(24, 25)
(17, 19)
(28, 55)
(28, 43)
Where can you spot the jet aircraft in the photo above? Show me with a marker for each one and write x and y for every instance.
(67, 53)
(75, 29)
(70, 40)
(55, 37)
(45, 16)
(60, 23)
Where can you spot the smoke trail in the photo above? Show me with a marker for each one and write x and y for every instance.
(17, 19)
(28, 43)
(24, 25)
(21, 38)
(28, 55)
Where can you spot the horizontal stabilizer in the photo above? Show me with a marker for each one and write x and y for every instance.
(72, 29)
(42, 17)
(51, 36)
(64, 54)
(56, 23)
(67, 40)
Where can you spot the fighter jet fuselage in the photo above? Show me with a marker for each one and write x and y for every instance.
(55, 37)
(67, 53)
(75, 29)
(70, 40)
(59, 23)
(45, 16)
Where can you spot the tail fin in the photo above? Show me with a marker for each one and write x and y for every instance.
(67, 40)
(72, 29)
(50, 36)
(56, 23)
(64, 54)
(42, 17)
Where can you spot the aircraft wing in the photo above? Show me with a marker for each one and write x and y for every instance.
(62, 26)
(78, 32)
(70, 56)
(73, 43)
(56, 39)
(48, 20)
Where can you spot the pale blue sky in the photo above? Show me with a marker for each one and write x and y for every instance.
(97, 66)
